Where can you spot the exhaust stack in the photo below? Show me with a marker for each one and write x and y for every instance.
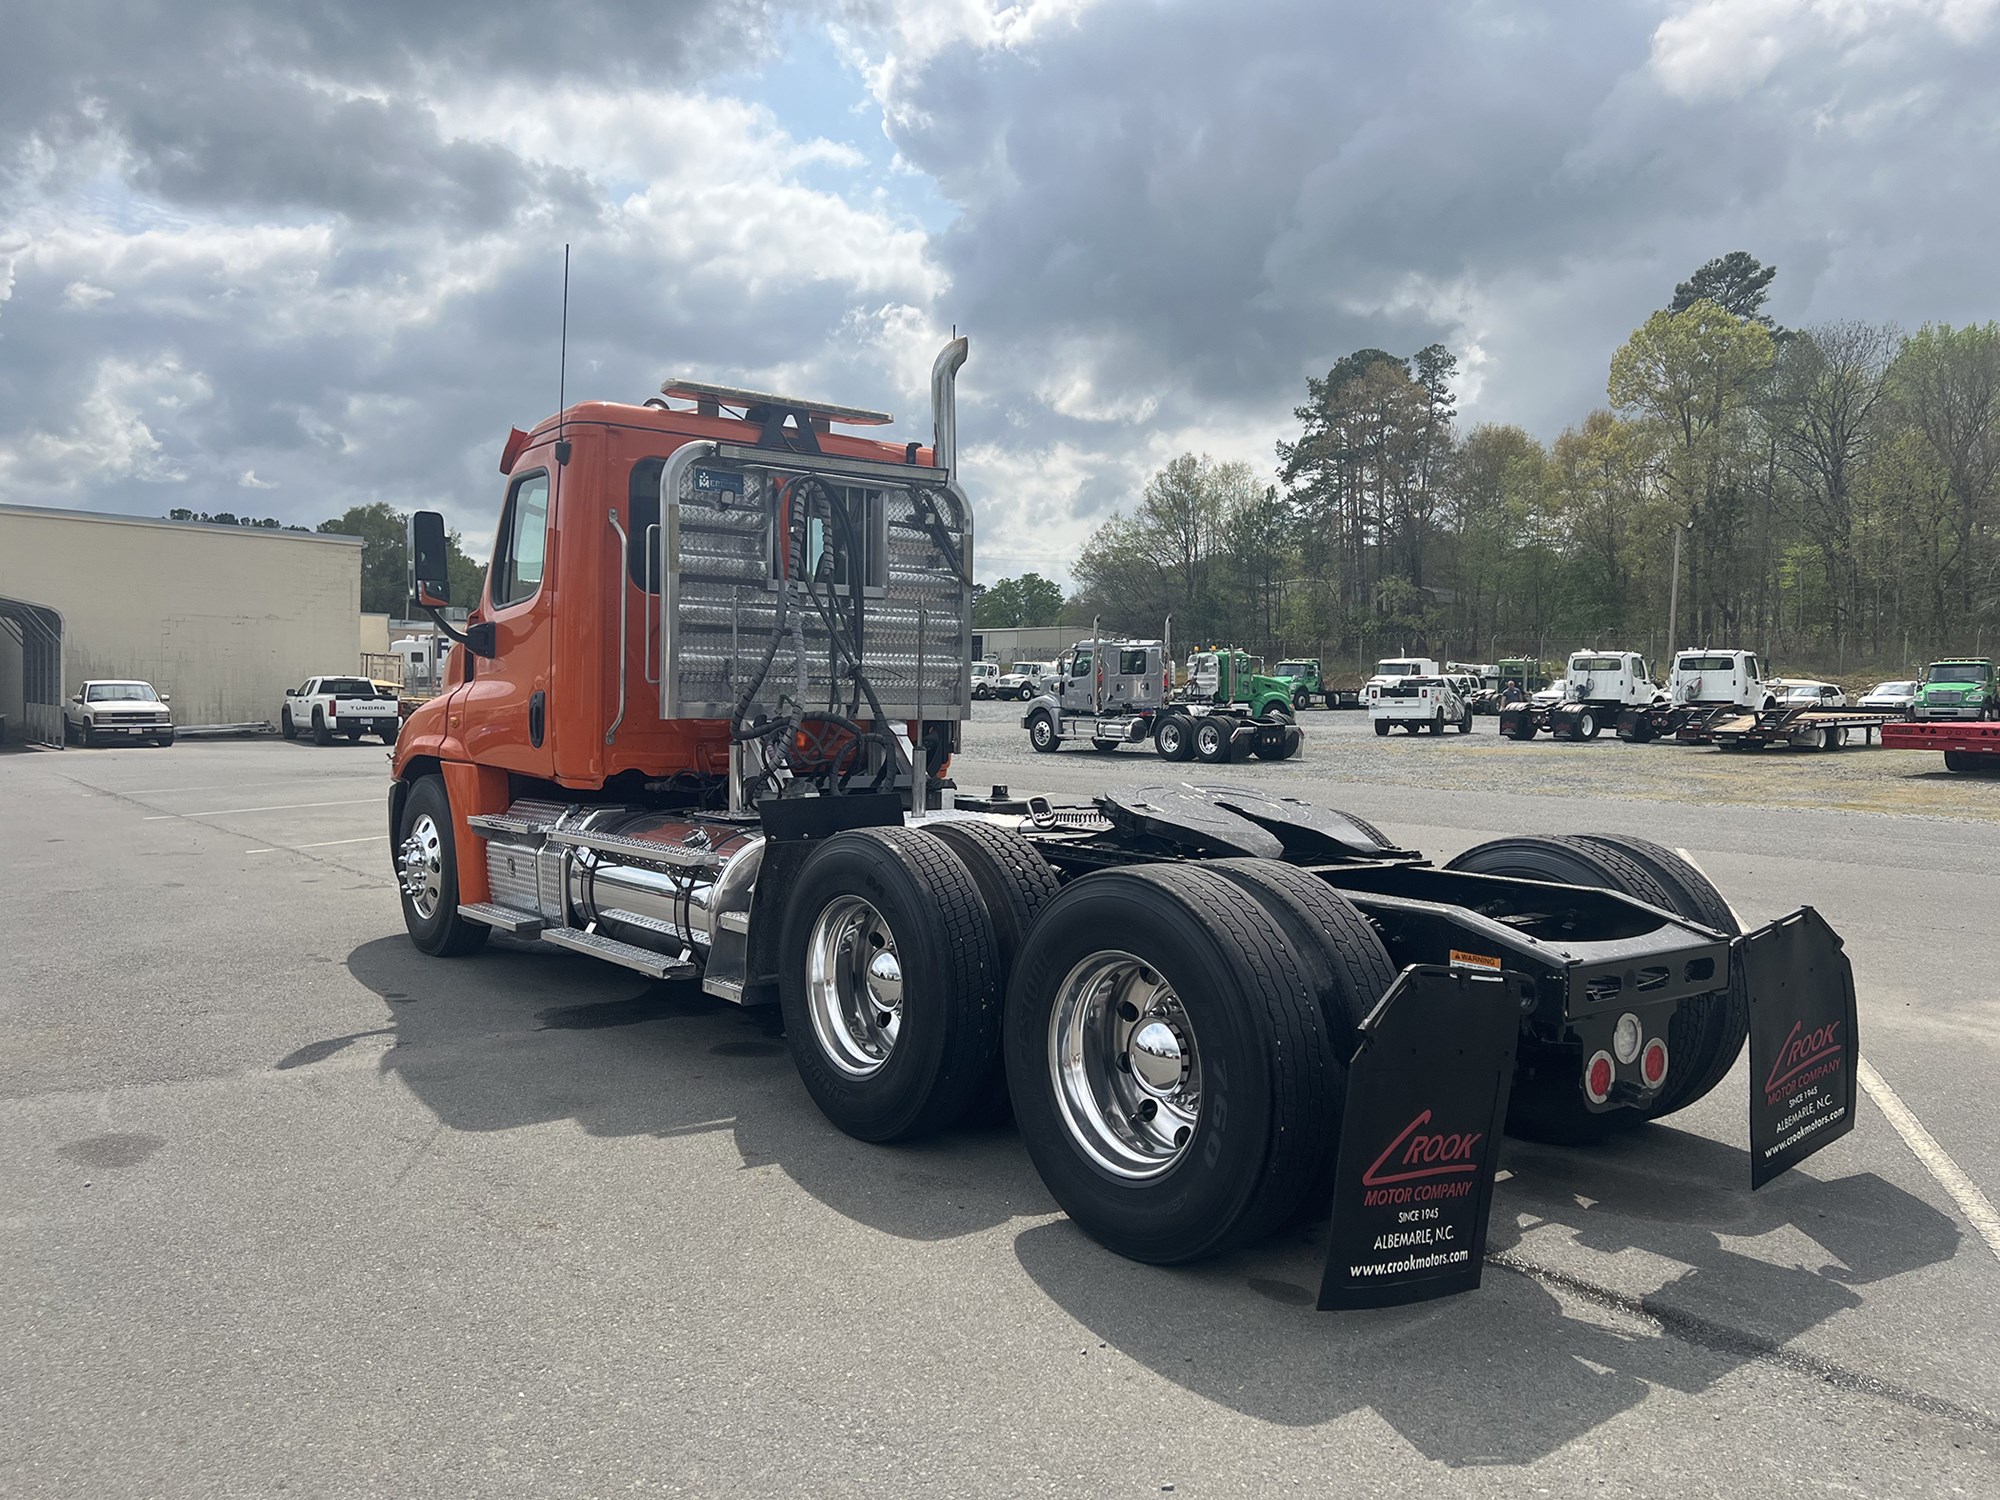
(944, 406)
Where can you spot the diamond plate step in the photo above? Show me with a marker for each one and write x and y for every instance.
(645, 960)
(502, 918)
(507, 827)
(643, 923)
(631, 848)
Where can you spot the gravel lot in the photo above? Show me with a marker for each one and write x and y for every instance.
(1341, 746)
(291, 1208)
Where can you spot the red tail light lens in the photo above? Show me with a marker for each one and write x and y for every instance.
(1597, 1076)
(1653, 1063)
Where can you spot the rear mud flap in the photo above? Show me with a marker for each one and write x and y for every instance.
(1635, 725)
(1803, 1043)
(1420, 1138)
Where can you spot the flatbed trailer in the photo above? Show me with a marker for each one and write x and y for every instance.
(1969, 747)
(1795, 728)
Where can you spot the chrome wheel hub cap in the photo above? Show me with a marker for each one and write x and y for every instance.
(1126, 1068)
(420, 866)
(854, 986)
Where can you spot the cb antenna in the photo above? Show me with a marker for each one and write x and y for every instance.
(562, 368)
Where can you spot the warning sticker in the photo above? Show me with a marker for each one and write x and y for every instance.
(1473, 960)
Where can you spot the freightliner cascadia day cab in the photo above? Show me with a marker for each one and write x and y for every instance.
(702, 725)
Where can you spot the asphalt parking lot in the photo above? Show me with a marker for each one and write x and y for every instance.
(290, 1207)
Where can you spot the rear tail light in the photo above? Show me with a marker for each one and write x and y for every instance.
(1597, 1076)
(1653, 1063)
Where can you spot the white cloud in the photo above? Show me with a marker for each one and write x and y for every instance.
(112, 436)
(1727, 47)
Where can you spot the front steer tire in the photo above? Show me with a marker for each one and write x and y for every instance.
(1042, 733)
(1263, 1122)
(943, 1031)
(432, 917)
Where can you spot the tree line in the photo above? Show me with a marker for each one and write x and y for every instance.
(1834, 491)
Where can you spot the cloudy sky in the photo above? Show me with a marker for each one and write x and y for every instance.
(282, 258)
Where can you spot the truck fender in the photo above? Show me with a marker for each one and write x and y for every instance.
(473, 789)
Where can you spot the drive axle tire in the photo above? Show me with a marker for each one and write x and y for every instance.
(1382, 729)
(1171, 1072)
(321, 734)
(1523, 731)
(1042, 733)
(285, 725)
(1705, 1038)
(888, 983)
(1105, 747)
(1015, 883)
(1587, 725)
(1211, 742)
(1346, 964)
(1173, 737)
(426, 866)
(1550, 1106)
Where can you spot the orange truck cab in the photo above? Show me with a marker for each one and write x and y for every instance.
(694, 605)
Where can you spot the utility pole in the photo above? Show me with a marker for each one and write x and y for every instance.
(1674, 590)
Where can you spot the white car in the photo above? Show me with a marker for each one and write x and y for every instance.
(326, 706)
(1553, 694)
(1801, 692)
(1889, 698)
(117, 710)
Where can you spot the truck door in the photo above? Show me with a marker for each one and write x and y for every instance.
(504, 714)
(1077, 681)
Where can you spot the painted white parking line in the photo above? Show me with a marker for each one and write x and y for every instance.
(224, 812)
(232, 786)
(327, 844)
(1978, 1210)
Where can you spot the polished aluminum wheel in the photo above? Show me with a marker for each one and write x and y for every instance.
(420, 866)
(854, 986)
(1126, 1069)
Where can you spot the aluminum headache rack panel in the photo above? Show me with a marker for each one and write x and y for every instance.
(718, 546)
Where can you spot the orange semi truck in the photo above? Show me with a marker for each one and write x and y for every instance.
(701, 725)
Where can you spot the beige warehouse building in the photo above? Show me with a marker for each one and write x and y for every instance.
(223, 618)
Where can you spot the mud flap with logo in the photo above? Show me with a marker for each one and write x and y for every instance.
(1420, 1138)
(1802, 1041)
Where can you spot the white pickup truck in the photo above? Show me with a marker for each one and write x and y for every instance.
(326, 706)
(1413, 693)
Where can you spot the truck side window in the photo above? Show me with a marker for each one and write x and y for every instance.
(642, 509)
(524, 540)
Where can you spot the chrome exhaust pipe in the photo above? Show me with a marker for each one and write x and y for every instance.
(944, 407)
